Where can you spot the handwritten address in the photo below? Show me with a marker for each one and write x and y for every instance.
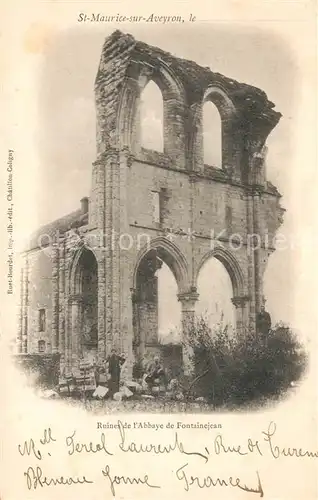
(267, 444)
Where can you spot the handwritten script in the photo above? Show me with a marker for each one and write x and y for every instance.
(186, 458)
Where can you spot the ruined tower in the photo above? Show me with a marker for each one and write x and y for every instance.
(125, 180)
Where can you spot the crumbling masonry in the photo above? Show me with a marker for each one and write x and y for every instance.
(96, 294)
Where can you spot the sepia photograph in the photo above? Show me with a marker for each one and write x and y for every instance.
(158, 320)
(157, 290)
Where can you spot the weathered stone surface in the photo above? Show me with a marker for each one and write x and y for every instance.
(100, 392)
(133, 386)
(126, 392)
(196, 199)
(118, 396)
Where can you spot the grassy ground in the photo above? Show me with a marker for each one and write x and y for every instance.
(160, 405)
(157, 405)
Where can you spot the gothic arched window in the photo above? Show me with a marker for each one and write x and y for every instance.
(212, 135)
(41, 346)
(151, 118)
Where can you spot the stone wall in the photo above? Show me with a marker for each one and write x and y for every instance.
(39, 296)
(197, 201)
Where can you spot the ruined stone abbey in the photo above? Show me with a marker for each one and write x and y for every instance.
(82, 289)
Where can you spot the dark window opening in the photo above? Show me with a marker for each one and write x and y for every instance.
(41, 346)
(158, 205)
(42, 320)
(228, 218)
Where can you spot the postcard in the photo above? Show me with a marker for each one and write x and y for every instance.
(158, 208)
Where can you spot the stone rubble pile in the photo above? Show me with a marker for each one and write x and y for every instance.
(86, 381)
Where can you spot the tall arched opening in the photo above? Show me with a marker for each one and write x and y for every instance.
(212, 135)
(151, 118)
(169, 308)
(85, 306)
(215, 296)
(157, 311)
